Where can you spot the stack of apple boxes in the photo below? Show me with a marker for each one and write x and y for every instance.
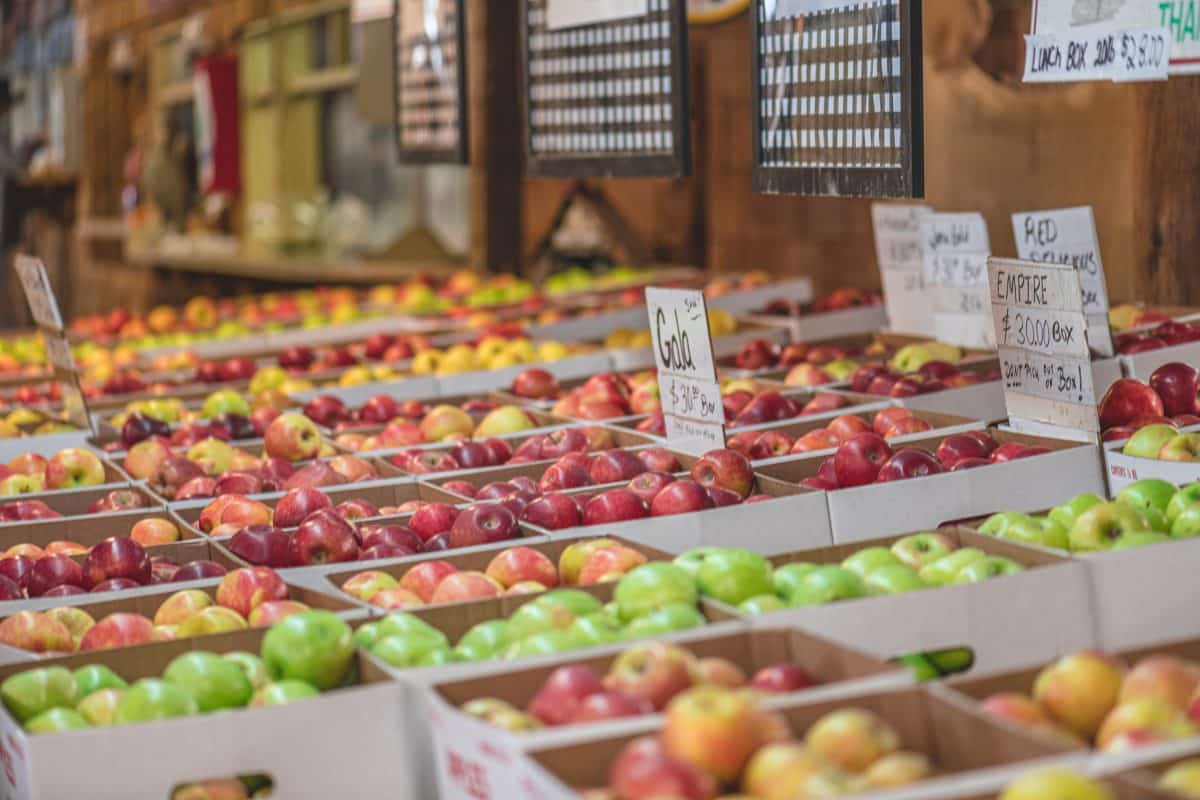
(406, 737)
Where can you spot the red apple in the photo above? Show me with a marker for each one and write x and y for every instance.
(857, 461)
(607, 704)
(561, 475)
(616, 466)
(615, 505)
(356, 509)
(557, 444)
(298, 504)
(1126, 400)
(198, 570)
(17, 569)
(1178, 385)
(325, 410)
(659, 459)
(379, 410)
(557, 701)
(959, 447)
(680, 497)
(116, 558)
(483, 524)
(645, 771)
(261, 545)
(518, 564)
(649, 484)
(724, 468)
(432, 519)
(781, 678)
(391, 536)
(322, 538)
(423, 579)
(238, 483)
(535, 384)
(723, 497)
(51, 571)
(554, 511)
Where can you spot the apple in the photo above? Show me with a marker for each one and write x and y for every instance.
(1127, 399)
(908, 462)
(609, 563)
(614, 505)
(261, 545)
(859, 460)
(518, 564)
(153, 699)
(726, 469)
(322, 538)
(651, 586)
(117, 630)
(563, 693)
(198, 570)
(36, 633)
(246, 588)
(644, 770)
(1099, 526)
(1079, 690)
(616, 466)
(554, 511)
(464, 586)
(733, 576)
(654, 672)
(827, 584)
(1178, 385)
(779, 678)
(116, 558)
(986, 568)
(316, 647)
(268, 613)
(35, 691)
(53, 570)
(852, 738)
(681, 497)
(1056, 782)
(712, 729)
(73, 468)
(1149, 441)
(214, 682)
(1144, 717)
(535, 384)
(292, 437)
(298, 504)
(658, 459)
(432, 519)
(379, 409)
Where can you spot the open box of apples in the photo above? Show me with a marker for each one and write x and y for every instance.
(69, 469)
(243, 597)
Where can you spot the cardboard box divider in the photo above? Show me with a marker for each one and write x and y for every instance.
(88, 531)
(330, 578)
(1142, 365)
(823, 324)
(574, 366)
(1003, 620)
(1142, 767)
(44, 444)
(114, 478)
(1121, 469)
(838, 671)
(878, 509)
(146, 760)
(73, 504)
(959, 743)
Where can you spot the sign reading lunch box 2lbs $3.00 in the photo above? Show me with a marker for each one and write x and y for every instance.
(693, 413)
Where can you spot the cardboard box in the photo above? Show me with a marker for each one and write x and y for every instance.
(838, 671)
(1144, 767)
(304, 746)
(878, 509)
(1142, 365)
(959, 743)
(73, 504)
(329, 579)
(796, 518)
(991, 786)
(740, 301)
(824, 324)
(1003, 620)
(87, 530)
(588, 363)
(114, 478)
(43, 444)
(146, 600)
(943, 425)
(1123, 470)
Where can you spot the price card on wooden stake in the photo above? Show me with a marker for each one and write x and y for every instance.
(1041, 336)
(38, 292)
(898, 250)
(955, 249)
(693, 412)
(1068, 236)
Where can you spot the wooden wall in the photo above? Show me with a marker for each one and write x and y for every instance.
(992, 145)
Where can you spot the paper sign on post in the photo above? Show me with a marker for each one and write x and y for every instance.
(1068, 236)
(1093, 20)
(955, 252)
(1041, 336)
(36, 283)
(898, 250)
(693, 412)
(574, 13)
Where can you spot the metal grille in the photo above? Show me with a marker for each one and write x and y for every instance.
(608, 98)
(838, 101)
(430, 81)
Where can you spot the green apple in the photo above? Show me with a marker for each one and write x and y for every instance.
(150, 699)
(55, 720)
(406, 651)
(100, 707)
(314, 646)
(1099, 526)
(534, 618)
(542, 644)
(439, 658)
(865, 561)
(594, 630)
(763, 604)
(827, 585)
(998, 524)
(1186, 496)
(691, 560)
(652, 586)
(214, 682)
(668, 619)
(840, 368)
(225, 401)
(95, 677)
(366, 635)
(1130, 541)
(490, 637)
(578, 602)
(29, 693)
(401, 624)
(893, 579)
(1066, 514)
(250, 664)
(942, 571)
(1151, 496)
(1042, 532)
(922, 549)
(282, 692)
(789, 577)
(1187, 524)
(732, 576)
(1148, 442)
(983, 569)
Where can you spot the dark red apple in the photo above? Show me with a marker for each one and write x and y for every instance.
(1126, 400)
(959, 447)
(858, 460)
(680, 497)
(198, 570)
(483, 524)
(431, 519)
(322, 538)
(554, 512)
(1177, 385)
(297, 504)
(261, 545)
(616, 466)
(781, 678)
(392, 535)
(908, 462)
(51, 571)
(116, 557)
(649, 484)
(615, 505)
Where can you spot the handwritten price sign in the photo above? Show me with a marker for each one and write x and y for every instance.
(955, 252)
(899, 251)
(1098, 53)
(693, 413)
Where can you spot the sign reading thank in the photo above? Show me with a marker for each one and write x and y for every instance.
(1041, 336)
(693, 412)
(899, 251)
(572, 13)
(1068, 236)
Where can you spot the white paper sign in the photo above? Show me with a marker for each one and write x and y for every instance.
(1098, 53)
(1041, 337)
(58, 351)
(955, 251)
(574, 13)
(898, 250)
(38, 292)
(1180, 19)
(1068, 236)
(693, 413)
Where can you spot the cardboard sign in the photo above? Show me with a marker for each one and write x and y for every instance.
(1076, 20)
(1041, 336)
(687, 375)
(39, 293)
(573, 13)
(1098, 53)
(954, 256)
(899, 252)
(1068, 236)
